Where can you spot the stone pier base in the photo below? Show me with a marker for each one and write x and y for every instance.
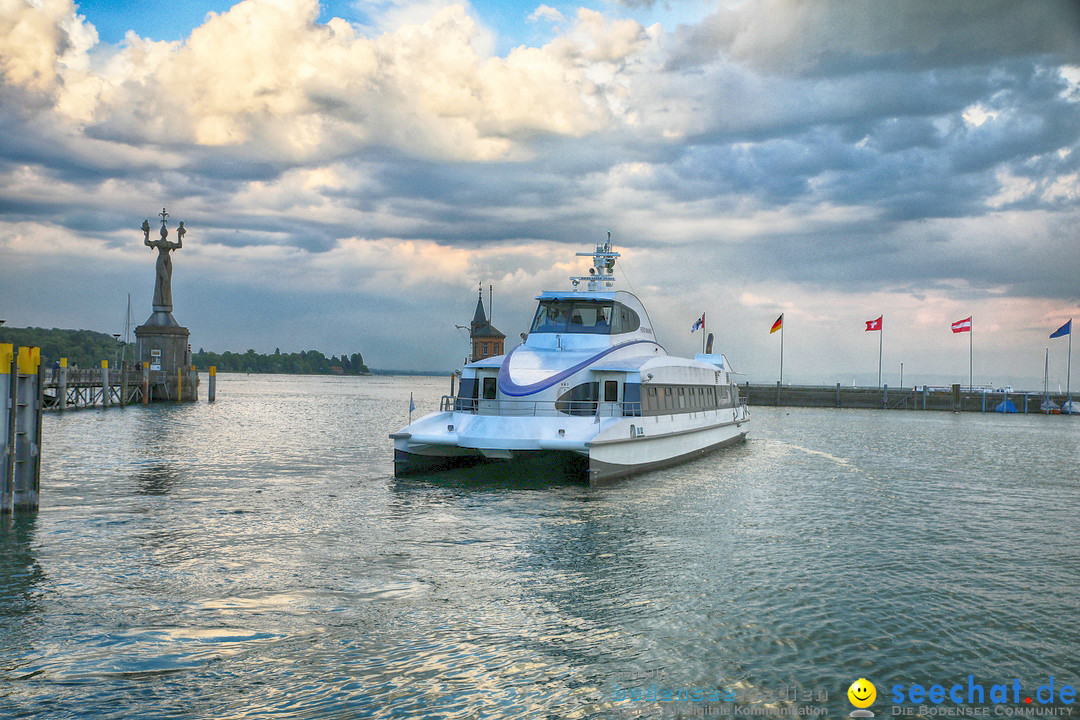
(165, 347)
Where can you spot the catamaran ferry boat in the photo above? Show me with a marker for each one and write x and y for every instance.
(590, 394)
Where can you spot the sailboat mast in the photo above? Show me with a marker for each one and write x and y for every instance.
(127, 332)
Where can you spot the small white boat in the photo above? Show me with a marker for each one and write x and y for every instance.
(589, 394)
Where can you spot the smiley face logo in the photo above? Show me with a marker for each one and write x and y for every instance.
(862, 693)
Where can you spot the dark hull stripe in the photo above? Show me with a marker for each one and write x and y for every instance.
(509, 387)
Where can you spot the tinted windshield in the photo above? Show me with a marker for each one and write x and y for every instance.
(595, 317)
(572, 316)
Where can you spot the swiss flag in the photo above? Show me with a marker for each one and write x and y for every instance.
(872, 325)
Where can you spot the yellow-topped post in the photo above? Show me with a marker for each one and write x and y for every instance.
(104, 383)
(21, 395)
(145, 383)
(61, 389)
(211, 392)
(9, 388)
(29, 360)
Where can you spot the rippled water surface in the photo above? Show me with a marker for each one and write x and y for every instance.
(257, 558)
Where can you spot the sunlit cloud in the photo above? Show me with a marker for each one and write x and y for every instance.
(820, 160)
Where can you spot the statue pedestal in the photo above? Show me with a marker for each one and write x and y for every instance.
(164, 344)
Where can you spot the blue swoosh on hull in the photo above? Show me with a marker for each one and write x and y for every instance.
(509, 387)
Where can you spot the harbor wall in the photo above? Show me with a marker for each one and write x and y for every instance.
(886, 398)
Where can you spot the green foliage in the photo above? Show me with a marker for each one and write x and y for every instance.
(84, 348)
(307, 362)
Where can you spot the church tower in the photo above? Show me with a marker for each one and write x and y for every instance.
(486, 340)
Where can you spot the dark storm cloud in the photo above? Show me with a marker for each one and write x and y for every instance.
(841, 37)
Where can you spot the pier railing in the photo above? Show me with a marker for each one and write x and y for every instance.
(539, 408)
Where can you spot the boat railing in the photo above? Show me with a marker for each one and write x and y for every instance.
(539, 408)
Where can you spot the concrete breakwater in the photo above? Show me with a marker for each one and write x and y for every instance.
(956, 398)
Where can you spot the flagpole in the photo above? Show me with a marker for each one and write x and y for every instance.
(1068, 370)
(704, 330)
(971, 352)
(782, 348)
(881, 335)
(1046, 383)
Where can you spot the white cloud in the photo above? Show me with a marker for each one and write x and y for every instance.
(266, 73)
(546, 12)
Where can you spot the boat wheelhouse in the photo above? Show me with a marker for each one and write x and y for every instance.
(589, 393)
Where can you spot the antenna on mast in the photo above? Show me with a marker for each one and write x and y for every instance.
(601, 273)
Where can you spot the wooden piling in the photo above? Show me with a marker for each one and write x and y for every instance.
(61, 395)
(123, 385)
(104, 383)
(211, 391)
(146, 383)
(179, 385)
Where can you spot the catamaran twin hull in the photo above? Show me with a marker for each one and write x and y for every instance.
(614, 448)
(590, 393)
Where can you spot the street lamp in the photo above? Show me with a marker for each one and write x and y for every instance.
(116, 355)
(467, 328)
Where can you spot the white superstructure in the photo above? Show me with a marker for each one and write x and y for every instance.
(590, 393)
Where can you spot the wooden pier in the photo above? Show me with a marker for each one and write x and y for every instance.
(954, 399)
(72, 389)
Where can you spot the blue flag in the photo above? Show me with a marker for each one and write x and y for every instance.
(412, 405)
(1065, 329)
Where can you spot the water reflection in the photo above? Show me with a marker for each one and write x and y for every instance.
(19, 570)
(158, 479)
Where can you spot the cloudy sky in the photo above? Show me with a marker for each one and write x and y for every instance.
(349, 172)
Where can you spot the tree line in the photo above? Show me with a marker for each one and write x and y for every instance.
(305, 362)
(82, 348)
(87, 348)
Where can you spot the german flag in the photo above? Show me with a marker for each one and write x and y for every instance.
(778, 324)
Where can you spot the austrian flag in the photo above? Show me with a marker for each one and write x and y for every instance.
(962, 325)
(872, 325)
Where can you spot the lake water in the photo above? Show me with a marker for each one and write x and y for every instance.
(256, 558)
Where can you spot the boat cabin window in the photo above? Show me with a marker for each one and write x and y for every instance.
(490, 388)
(594, 317)
(611, 390)
(579, 400)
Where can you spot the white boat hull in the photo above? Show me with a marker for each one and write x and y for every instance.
(596, 449)
(662, 441)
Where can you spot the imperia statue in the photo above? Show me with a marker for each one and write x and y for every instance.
(163, 281)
